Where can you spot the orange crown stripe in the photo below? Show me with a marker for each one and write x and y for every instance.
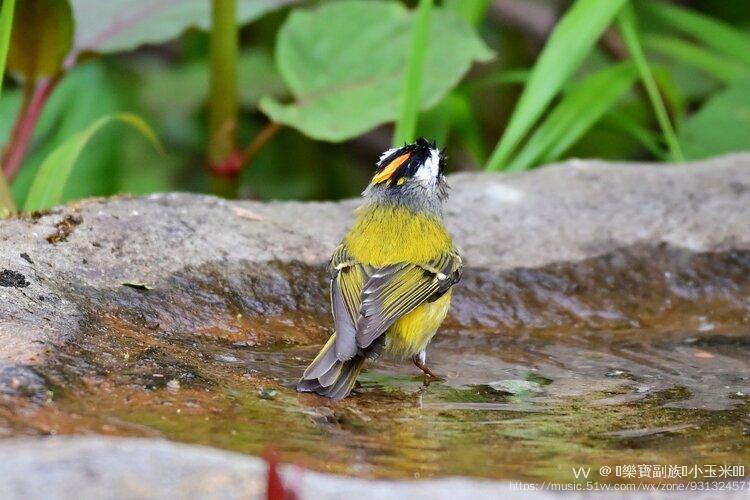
(389, 170)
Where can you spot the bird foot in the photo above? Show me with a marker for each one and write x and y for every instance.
(429, 375)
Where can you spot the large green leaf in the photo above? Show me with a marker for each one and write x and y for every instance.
(721, 126)
(578, 111)
(118, 25)
(471, 10)
(572, 40)
(344, 64)
(50, 180)
(41, 38)
(182, 89)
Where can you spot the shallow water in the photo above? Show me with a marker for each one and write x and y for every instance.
(638, 358)
(528, 406)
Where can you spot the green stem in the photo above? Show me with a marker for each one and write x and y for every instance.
(629, 30)
(223, 92)
(412, 86)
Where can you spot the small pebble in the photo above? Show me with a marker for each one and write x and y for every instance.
(226, 358)
(173, 385)
(267, 393)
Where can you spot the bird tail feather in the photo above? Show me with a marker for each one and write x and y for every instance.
(329, 376)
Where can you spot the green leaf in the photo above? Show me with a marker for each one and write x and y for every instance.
(42, 36)
(182, 89)
(576, 113)
(720, 67)
(344, 63)
(7, 203)
(714, 33)
(114, 26)
(406, 125)
(49, 182)
(6, 25)
(572, 40)
(629, 30)
(471, 10)
(721, 126)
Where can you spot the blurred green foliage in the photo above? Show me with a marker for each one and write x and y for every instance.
(334, 71)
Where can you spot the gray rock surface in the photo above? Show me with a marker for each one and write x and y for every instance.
(97, 467)
(564, 213)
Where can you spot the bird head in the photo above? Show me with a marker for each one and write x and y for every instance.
(411, 175)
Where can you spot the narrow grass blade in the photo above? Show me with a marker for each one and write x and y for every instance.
(576, 113)
(622, 123)
(500, 78)
(50, 180)
(629, 31)
(406, 125)
(720, 67)
(572, 40)
(7, 204)
(714, 33)
(673, 94)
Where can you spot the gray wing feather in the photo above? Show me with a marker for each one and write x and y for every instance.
(346, 333)
(385, 300)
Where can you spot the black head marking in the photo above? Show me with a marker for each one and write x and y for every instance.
(417, 153)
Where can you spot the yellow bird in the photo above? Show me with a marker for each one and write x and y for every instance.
(392, 276)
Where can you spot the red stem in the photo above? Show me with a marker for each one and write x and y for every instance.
(24, 127)
(232, 166)
(260, 140)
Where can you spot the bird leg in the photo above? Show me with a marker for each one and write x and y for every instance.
(420, 361)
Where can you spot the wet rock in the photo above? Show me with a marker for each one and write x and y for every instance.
(22, 381)
(664, 235)
(100, 467)
(515, 386)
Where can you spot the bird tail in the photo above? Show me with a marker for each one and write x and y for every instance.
(329, 376)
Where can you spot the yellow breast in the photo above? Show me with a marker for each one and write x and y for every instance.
(385, 235)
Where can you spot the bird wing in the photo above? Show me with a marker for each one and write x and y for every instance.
(347, 278)
(392, 291)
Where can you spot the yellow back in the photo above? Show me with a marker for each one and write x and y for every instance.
(385, 235)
